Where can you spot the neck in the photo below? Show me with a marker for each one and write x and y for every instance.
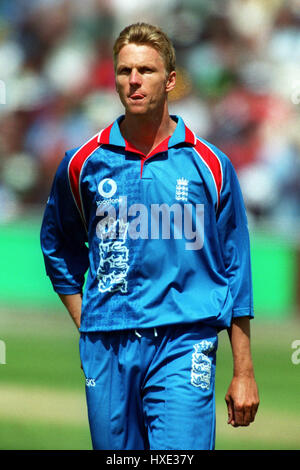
(145, 132)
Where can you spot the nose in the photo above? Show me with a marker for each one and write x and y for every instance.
(135, 78)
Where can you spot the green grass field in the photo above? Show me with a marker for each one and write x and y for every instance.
(42, 398)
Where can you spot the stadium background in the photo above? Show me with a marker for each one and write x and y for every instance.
(239, 87)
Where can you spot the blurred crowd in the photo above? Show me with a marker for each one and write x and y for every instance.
(238, 86)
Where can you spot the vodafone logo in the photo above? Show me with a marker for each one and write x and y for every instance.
(107, 187)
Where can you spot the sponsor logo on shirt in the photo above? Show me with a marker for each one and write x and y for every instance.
(107, 188)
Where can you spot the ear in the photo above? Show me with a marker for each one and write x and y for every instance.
(171, 81)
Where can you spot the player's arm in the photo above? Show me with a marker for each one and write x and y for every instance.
(63, 243)
(73, 302)
(242, 396)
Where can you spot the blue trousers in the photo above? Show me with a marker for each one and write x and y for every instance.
(151, 388)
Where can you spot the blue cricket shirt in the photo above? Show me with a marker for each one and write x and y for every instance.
(163, 238)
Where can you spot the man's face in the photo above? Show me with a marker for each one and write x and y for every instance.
(141, 79)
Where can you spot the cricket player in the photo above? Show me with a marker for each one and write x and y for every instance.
(154, 215)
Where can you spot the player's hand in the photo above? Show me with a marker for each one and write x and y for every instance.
(242, 401)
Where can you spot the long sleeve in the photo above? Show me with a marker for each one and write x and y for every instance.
(63, 236)
(233, 233)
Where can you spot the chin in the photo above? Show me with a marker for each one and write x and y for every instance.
(138, 110)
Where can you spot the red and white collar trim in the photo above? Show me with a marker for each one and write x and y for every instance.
(111, 135)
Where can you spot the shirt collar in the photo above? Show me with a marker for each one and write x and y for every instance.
(111, 135)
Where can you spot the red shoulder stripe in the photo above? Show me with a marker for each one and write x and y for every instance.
(105, 134)
(75, 167)
(189, 136)
(213, 163)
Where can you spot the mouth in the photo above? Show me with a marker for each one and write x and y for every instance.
(136, 97)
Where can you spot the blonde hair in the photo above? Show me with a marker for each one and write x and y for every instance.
(147, 34)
